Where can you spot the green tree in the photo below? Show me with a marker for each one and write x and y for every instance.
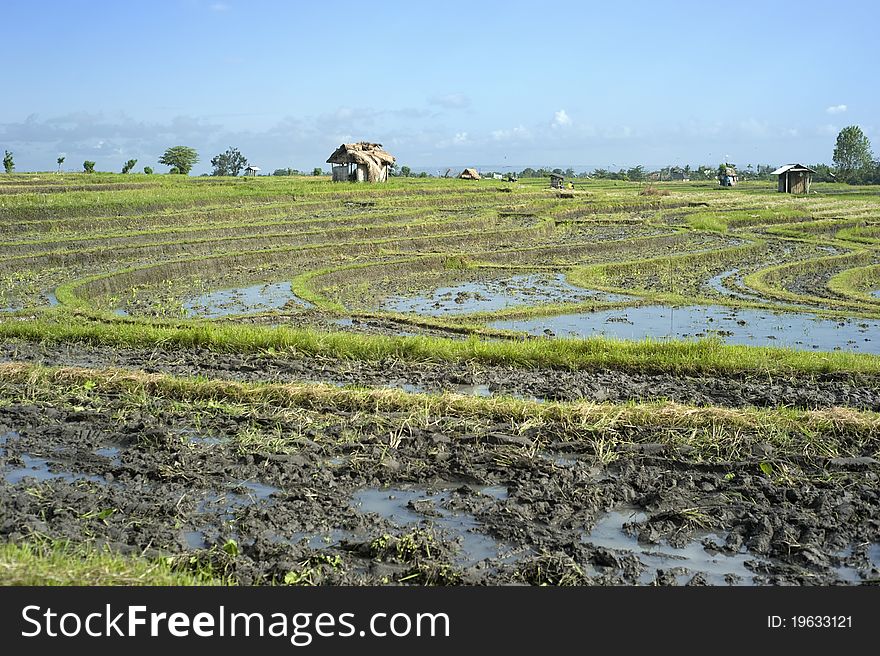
(8, 162)
(636, 173)
(852, 153)
(60, 161)
(317, 171)
(232, 162)
(405, 171)
(181, 159)
(148, 170)
(89, 166)
(129, 165)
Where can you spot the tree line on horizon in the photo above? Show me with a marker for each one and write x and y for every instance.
(853, 159)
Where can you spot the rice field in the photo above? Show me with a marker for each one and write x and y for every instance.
(438, 381)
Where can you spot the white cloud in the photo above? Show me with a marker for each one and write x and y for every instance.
(828, 130)
(460, 138)
(836, 109)
(519, 132)
(220, 7)
(561, 119)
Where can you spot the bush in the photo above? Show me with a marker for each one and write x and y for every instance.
(651, 190)
(148, 170)
(89, 166)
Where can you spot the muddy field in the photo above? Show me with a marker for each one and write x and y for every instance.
(357, 498)
(795, 390)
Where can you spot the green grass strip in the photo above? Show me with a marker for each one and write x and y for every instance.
(707, 355)
(44, 562)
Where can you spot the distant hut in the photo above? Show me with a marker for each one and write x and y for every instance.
(727, 176)
(469, 174)
(557, 181)
(794, 179)
(360, 162)
(252, 170)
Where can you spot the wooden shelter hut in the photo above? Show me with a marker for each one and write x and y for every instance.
(557, 181)
(361, 162)
(252, 170)
(794, 179)
(469, 174)
(727, 177)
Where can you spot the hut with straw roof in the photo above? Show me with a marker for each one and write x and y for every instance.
(727, 176)
(360, 162)
(469, 174)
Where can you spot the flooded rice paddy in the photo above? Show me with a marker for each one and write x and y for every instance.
(488, 296)
(244, 300)
(750, 327)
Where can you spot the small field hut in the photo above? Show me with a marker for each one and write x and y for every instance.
(727, 177)
(794, 179)
(252, 170)
(360, 162)
(469, 174)
(557, 181)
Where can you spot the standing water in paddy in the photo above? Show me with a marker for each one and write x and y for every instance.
(735, 326)
(243, 300)
(490, 295)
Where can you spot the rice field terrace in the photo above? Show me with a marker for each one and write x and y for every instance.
(286, 381)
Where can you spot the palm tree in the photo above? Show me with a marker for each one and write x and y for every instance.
(60, 161)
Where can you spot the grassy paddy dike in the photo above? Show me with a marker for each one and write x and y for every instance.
(285, 381)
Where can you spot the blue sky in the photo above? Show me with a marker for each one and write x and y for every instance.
(510, 83)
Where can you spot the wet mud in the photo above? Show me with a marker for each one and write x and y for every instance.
(728, 389)
(434, 505)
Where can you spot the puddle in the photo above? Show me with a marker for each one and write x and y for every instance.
(472, 390)
(876, 293)
(609, 533)
(321, 539)
(243, 300)
(716, 283)
(111, 452)
(465, 389)
(750, 327)
(850, 574)
(225, 503)
(532, 289)
(50, 296)
(422, 506)
(195, 539)
(258, 491)
(39, 470)
(194, 437)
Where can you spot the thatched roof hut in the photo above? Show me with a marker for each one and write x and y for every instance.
(469, 174)
(361, 162)
(727, 176)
